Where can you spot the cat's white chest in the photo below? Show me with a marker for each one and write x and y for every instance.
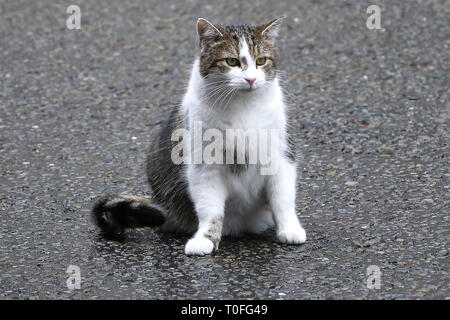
(264, 111)
(260, 117)
(247, 185)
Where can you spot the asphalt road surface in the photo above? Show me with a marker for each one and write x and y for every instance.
(79, 108)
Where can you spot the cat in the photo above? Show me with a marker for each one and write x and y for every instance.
(233, 85)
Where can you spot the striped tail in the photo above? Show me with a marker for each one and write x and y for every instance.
(113, 214)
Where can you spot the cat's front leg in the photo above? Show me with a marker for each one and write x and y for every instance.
(281, 195)
(208, 194)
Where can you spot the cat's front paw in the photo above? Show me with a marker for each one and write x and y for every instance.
(292, 235)
(199, 246)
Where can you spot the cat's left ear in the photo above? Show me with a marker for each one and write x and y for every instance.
(270, 29)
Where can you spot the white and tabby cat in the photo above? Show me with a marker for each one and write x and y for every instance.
(233, 85)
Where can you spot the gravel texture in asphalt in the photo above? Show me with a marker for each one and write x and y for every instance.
(79, 108)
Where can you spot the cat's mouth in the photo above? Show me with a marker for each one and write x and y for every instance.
(247, 88)
(250, 89)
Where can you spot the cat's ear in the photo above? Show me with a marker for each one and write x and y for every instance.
(207, 29)
(270, 29)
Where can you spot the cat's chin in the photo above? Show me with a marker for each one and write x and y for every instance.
(249, 90)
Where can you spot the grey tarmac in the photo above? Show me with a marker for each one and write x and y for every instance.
(79, 108)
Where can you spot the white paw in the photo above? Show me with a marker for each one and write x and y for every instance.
(292, 235)
(199, 246)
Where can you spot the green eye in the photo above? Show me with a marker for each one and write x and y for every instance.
(260, 61)
(232, 62)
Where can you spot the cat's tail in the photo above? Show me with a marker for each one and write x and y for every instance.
(113, 214)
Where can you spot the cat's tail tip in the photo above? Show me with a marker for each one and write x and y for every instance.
(113, 214)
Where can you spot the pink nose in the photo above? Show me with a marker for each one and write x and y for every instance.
(250, 81)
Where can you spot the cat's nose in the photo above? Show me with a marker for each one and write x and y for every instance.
(250, 81)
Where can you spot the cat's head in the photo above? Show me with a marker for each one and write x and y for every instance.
(238, 57)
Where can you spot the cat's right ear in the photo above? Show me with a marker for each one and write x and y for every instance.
(206, 29)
